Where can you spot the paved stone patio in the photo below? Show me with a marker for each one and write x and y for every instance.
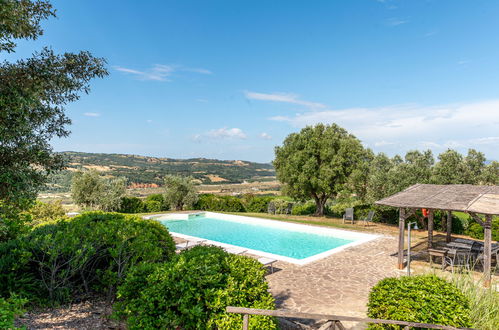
(338, 284)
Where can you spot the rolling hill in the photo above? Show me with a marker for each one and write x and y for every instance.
(144, 171)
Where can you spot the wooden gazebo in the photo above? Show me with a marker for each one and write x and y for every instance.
(474, 200)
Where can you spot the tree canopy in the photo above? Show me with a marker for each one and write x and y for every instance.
(92, 191)
(317, 162)
(33, 96)
(179, 192)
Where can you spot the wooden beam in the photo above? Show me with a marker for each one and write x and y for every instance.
(487, 250)
(245, 321)
(430, 229)
(477, 218)
(402, 218)
(449, 227)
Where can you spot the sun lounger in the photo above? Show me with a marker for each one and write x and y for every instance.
(235, 250)
(188, 244)
(267, 262)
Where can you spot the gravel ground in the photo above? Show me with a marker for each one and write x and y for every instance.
(91, 314)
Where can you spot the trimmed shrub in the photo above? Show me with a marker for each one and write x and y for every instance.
(131, 205)
(303, 209)
(158, 198)
(193, 290)
(89, 253)
(9, 309)
(257, 204)
(423, 299)
(475, 230)
(152, 206)
(210, 202)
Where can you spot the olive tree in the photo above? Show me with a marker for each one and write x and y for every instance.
(33, 96)
(317, 162)
(179, 192)
(92, 191)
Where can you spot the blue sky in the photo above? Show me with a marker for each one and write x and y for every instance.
(230, 79)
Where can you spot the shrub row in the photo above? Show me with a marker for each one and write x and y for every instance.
(152, 203)
(422, 299)
(193, 290)
(92, 252)
(475, 230)
(246, 203)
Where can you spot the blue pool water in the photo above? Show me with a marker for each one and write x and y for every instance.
(288, 243)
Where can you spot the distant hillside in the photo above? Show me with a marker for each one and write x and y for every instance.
(143, 171)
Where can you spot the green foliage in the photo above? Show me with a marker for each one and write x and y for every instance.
(33, 96)
(159, 198)
(193, 290)
(9, 309)
(257, 204)
(91, 252)
(422, 298)
(280, 206)
(92, 191)
(303, 209)
(317, 162)
(12, 221)
(43, 212)
(210, 202)
(131, 205)
(152, 206)
(475, 230)
(179, 192)
(484, 302)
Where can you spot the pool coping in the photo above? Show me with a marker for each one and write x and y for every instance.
(360, 238)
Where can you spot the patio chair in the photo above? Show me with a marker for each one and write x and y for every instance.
(348, 216)
(267, 262)
(369, 218)
(457, 258)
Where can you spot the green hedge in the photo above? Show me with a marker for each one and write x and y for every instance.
(423, 299)
(475, 230)
(193, 290)
(9, 309)
(132, 205)
(210, 202)
(85, 254)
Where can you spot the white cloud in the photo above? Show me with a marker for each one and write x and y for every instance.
(91, 114)
(412, 126)
(221, 133)
(283, 97)
(160, 72)
(395, 21)
(149, 121)
(265, 136)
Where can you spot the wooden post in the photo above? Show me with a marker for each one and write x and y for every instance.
(487, 250)
(449, 227)
(430, 229)
(401, 238)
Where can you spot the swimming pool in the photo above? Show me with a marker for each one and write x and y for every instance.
(289, 242)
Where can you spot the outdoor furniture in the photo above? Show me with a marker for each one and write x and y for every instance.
(437, 253)
(457, 258)
(369, 218)
(267, 262)
(234, 250)
(188, 244)
(348, 216)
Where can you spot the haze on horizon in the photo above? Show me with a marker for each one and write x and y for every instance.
(230, 80)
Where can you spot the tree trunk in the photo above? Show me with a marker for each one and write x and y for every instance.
(320, 203)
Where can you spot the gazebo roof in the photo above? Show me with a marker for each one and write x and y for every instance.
(454, 197)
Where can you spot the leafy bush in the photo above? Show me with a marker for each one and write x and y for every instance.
(42, 212)
(9, 309)
(475, 230)
(193, 290)
(423, 298)
(303, 209)
(152, 206)
(280, 206)
(210, 202)
(257, 204)
(158, 198)
(131, 205)
(91, 252)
